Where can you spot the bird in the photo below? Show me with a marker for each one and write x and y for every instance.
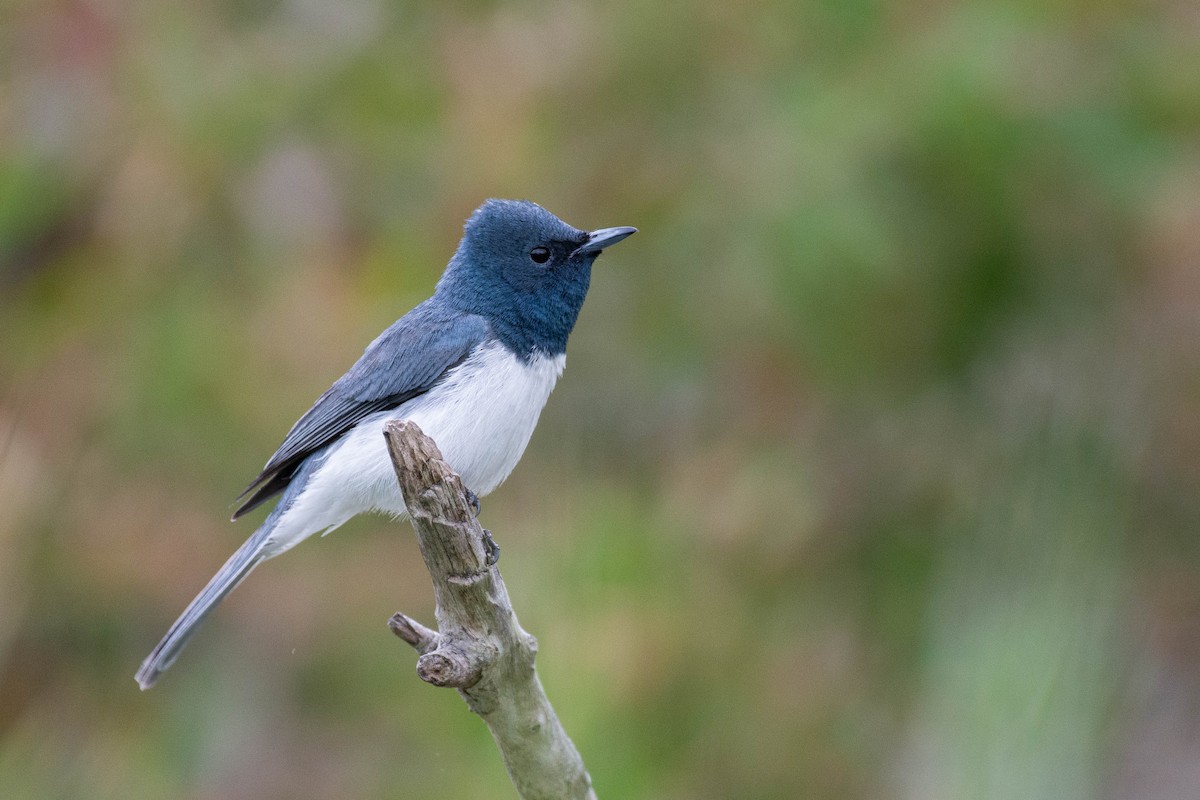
(473, 366)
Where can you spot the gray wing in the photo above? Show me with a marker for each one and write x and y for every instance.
(407, 360)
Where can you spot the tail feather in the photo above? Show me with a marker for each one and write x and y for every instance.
(258, 548)
(235, 570)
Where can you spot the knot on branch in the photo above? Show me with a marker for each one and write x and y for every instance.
(468, 578)
(444, 503)
(448, 666)
(456, 660)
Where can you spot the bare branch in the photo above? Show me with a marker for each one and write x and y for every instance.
(421, 638)
(479, 647)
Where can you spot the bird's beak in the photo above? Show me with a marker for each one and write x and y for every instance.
(605, 237)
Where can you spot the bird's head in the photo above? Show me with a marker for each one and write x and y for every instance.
(526, 271)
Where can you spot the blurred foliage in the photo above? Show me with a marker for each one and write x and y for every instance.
(873, 474)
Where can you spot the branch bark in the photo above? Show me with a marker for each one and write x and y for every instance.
(479, 647)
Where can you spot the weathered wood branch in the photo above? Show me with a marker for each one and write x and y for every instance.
(479, 647)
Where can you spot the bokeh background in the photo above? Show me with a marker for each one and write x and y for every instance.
(873, 472)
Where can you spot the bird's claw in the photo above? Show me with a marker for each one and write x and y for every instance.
(493, 549)
(473, 501)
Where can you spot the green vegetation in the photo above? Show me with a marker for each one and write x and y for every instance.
(873, 472)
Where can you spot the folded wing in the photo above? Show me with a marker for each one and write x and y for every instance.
(405, 361)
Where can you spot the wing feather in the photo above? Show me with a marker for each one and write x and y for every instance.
(405, 361)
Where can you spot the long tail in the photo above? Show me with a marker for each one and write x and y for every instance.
(258, 548)
(239, 565)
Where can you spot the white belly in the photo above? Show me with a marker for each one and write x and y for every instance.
(481, 416)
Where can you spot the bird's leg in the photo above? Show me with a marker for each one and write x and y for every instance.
(493, 549)
(489, 544)
(473, 501)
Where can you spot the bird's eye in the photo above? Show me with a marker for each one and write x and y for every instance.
(540, 255)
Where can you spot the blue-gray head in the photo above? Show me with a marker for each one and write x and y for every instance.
(526, 271)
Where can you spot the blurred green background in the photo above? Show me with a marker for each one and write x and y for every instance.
(873, 472)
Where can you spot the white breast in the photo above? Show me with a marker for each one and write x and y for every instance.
(481, 416)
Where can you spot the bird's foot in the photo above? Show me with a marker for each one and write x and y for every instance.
(493, 549)
(473, 501)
